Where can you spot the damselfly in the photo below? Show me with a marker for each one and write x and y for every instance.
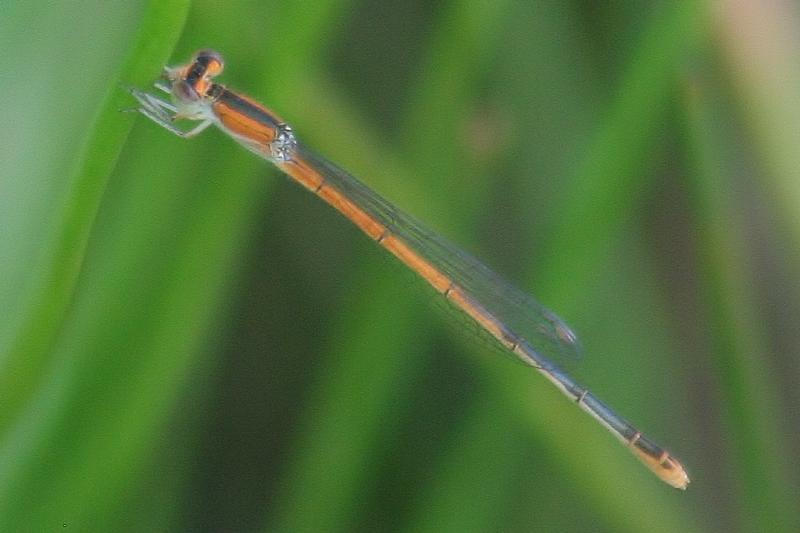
(515, 320)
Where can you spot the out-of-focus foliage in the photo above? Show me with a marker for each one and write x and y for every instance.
(190, 342)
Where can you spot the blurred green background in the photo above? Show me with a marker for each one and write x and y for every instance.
(189, 341)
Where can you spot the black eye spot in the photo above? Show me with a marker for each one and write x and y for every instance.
(208, 56)
(209, 61)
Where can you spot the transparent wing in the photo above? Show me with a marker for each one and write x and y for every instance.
(520, 313)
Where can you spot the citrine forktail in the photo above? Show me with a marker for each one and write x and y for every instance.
(515, 320)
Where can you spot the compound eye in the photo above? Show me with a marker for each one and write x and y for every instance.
(211, 60)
